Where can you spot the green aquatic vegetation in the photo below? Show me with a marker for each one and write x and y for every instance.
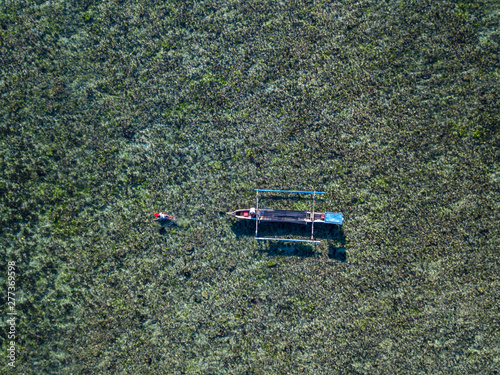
(394, 119)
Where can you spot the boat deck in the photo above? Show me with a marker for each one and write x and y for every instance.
(283, 215)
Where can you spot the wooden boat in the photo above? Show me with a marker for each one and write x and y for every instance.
(287, 216)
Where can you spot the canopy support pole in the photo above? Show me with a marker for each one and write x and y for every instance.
(312, 229)
(257, 215)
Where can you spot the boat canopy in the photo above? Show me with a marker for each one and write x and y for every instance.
(334, 218)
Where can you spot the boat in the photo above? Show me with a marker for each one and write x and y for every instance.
(287, 216)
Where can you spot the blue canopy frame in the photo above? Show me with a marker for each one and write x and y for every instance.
(290, 191)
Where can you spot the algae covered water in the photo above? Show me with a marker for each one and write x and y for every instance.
(112, 111)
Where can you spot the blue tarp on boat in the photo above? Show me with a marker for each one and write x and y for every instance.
(334, 218)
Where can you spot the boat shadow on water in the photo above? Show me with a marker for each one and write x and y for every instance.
(333, 235)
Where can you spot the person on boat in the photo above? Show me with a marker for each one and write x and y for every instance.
(163, 216)
(252, 211)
